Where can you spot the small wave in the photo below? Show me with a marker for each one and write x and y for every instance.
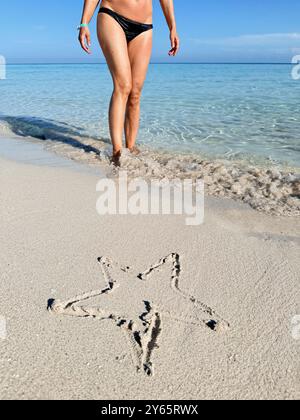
(267, 189)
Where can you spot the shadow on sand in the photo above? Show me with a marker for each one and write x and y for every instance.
(50, 130)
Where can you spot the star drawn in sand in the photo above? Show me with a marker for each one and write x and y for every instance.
(157, 295)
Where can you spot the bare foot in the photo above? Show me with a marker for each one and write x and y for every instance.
(135, 151)
(116, 159)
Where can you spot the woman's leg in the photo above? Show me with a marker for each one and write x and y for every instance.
(139, 51)
(114, 46)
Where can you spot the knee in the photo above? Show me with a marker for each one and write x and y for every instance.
(123, 88)
(135, 95)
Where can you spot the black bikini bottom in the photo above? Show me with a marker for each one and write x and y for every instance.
(131, 28)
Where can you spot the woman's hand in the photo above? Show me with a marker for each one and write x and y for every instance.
(175, 43)
(85, 39)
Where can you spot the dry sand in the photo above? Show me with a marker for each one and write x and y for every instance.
(211, 321)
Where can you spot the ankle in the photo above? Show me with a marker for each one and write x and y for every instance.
(117, 152)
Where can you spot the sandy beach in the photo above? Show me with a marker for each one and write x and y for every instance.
(186, 312)
(150, 203)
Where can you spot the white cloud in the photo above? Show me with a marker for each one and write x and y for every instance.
(290, 40)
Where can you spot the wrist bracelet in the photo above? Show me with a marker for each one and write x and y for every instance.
(82, 25)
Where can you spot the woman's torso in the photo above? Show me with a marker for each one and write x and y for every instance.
(139, 10)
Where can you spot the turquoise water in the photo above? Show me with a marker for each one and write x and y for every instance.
(232, 111)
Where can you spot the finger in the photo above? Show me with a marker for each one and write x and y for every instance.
(173, 43)
(81, 40)
(173, 50)
(177, 45)
(88, 40)
(87, 49)
(82, 43)
(83, 46)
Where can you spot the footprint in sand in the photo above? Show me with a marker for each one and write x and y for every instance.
(156, 293)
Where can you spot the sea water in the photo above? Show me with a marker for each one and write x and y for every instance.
(237, 127)
(230, 111)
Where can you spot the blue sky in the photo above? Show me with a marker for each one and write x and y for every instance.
(210, 30)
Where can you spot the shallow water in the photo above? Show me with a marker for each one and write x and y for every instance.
(234, 126)
(243, 112)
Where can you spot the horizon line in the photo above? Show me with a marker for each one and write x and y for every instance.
(155, 63)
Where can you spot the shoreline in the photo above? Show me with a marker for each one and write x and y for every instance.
(47, 132)
(241, 264)
(32, 152)
(270, 190)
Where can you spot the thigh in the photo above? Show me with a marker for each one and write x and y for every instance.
(114, 46)
(139, 51)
